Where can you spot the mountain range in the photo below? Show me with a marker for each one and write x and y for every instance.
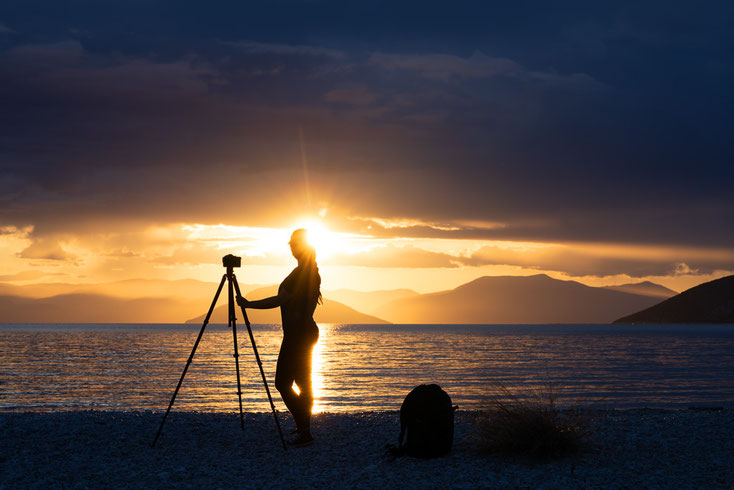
(498, 299)
(516, 299)
(187, 289)
(91, 308)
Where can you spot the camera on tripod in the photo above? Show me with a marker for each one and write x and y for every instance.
(231, 261)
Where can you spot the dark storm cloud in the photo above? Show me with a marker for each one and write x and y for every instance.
(285, 49)
(561, 122)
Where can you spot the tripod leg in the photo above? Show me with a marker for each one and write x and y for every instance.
(259, 363)
(233, 324)
(191, 357)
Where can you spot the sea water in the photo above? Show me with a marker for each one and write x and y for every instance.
(366, 367)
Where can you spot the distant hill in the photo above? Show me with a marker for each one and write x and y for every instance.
(127, 301)
(710, 302)
(151, 301)
(515, 299)
(190, 289)
(330, 312)
(368, 301)
(95, 308)
(645, 288)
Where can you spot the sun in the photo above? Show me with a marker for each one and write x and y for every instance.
(325, 241)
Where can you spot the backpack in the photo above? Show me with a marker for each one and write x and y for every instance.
(427, 417)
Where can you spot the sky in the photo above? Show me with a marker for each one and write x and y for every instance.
(425, 143)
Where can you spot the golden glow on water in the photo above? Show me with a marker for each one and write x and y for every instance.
(318, 366)
(358, 368)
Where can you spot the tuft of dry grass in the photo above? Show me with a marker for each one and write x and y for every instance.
(532, 428)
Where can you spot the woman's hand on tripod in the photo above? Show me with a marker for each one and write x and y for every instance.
(242, 301)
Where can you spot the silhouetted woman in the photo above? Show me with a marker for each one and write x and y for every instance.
(297, 297)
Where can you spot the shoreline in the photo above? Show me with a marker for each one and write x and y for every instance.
(630, 448)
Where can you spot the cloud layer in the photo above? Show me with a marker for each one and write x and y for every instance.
(566, 124)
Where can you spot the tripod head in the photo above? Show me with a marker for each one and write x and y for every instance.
(230, 261)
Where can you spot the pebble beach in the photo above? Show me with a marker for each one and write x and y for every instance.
(637, 448)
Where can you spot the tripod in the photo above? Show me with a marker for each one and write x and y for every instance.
(228, 261)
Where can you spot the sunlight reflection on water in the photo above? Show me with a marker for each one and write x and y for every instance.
(64, 367)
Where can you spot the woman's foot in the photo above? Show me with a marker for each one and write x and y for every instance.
(301, 439)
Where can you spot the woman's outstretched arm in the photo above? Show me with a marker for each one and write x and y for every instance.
(267, 303)
(261, 304)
